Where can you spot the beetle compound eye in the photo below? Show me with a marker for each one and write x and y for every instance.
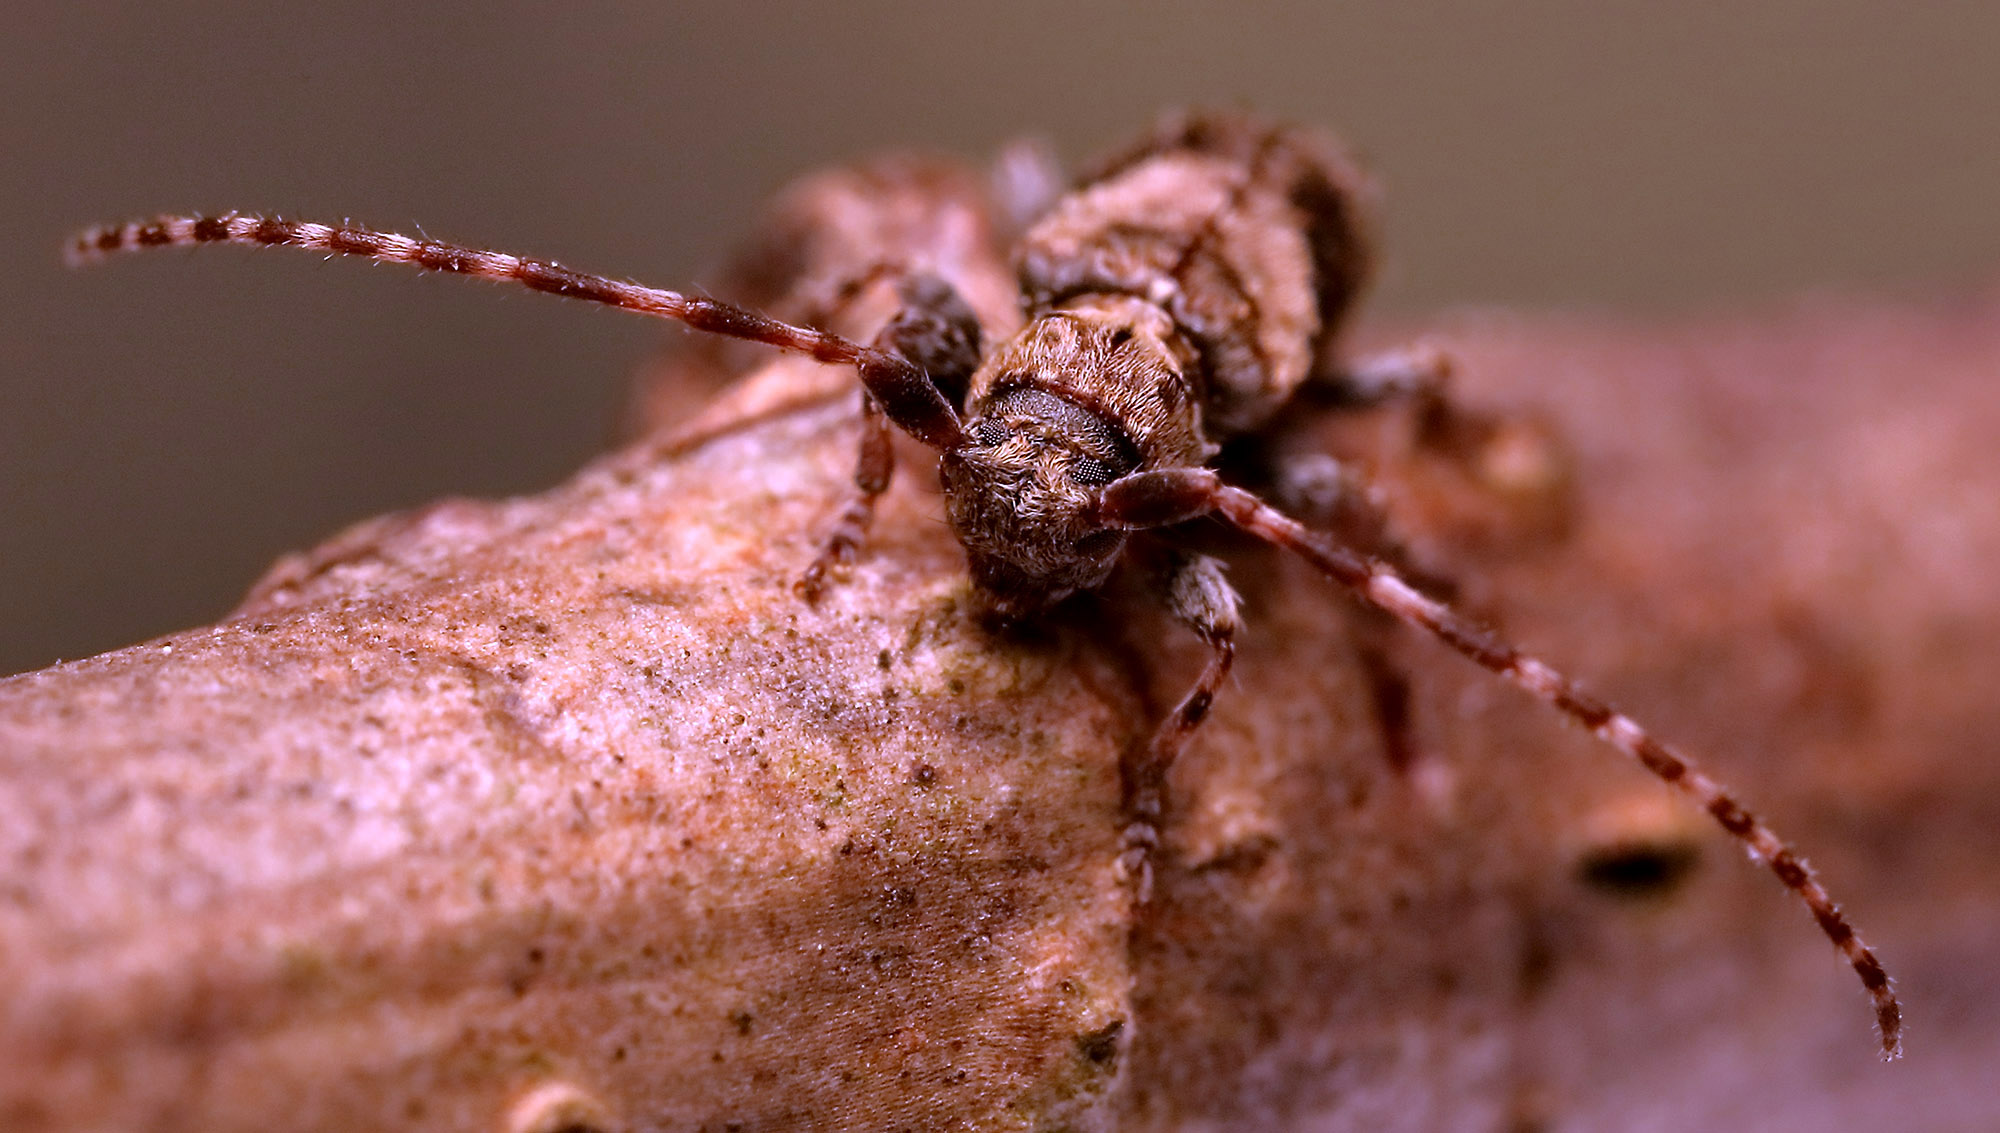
(989, 432)
(1098, 544)
(1094, 472)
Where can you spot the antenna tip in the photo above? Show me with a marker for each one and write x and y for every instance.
(1889, 1020)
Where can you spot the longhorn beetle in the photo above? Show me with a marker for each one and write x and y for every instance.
(1186, 293)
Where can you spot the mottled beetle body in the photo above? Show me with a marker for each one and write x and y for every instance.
(1185, 294)
(1178, 298)
(1246, 236)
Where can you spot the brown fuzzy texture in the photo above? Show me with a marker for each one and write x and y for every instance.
(565, 809)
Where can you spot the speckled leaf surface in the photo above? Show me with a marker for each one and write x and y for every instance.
(565, 809)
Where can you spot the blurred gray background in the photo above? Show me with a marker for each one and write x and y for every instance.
(170, 423)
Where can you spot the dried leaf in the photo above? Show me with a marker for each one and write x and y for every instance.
(565, 812)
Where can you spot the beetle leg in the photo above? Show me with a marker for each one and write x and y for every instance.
(1200, 597)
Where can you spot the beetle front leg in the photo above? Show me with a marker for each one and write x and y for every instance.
(1200, 597)
(874, 464)
(937, 333)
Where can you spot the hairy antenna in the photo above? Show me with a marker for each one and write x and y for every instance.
(936, 333)
(1164, 497)
(906, 394)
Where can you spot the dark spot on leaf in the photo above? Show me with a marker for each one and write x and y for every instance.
(1638, 870)
(1100, 1047)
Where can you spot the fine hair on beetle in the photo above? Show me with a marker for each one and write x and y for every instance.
(1186, 292)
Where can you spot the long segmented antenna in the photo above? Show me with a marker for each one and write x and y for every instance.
(1381, 587)
(1144, 500)
(1159, 498)
(905, 393)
